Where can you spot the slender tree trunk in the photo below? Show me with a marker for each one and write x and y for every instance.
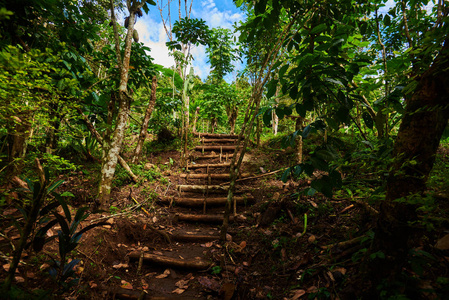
(299, 126)
(195, 120)
(146, 121)
(112, 154)
(426, 116)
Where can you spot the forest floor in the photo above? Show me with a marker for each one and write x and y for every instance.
(284, 246)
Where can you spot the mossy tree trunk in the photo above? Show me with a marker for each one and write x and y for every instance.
(426, 116)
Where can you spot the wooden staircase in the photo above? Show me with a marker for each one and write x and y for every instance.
(197, 212)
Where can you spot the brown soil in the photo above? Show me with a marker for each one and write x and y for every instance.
(271, 252)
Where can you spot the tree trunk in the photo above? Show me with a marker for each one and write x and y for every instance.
(146, 120)
(426, 116)
(275, 122)
(111, 156)
(299, 126)
(195, 120)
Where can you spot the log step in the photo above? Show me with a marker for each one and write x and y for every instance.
(198, 166)
(199, 202)
(215, 148)
(218, 140)
(201, 218)
(211, 188)
(217, 135)
(212, 156)
(197, 264)
(213, 176)
(194, 238)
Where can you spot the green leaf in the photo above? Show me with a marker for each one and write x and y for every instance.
(317, 29)
(368, 120)
(267, 117)
(285, 175)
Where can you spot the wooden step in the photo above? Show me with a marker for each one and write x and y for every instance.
(197, 264)
(194, 238)
(223, 176)
(197, 166)
(201, 218)
(218, 140)
(199, 202)
(212, 156)
(211, 188)
(215, 148)
(216, 135)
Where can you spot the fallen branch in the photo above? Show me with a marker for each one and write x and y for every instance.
(198, 264)
(255, 177)
(344, 244)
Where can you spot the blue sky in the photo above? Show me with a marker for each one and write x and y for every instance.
(216, 13)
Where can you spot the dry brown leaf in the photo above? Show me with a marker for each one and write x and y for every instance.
(313, 204)
(19, 279)
(227, 290)
(209, 283)
(312, 289)
(158, 252)
(341, 270)
(284, 254)
(443, 243)
(120, 265)
(182, 284)
(312, 238)
(126, 285)
(92, 284)
(163, 275)
(178, 291)
(207, 245)
(245, 263)
(297, 294)
(6, 267)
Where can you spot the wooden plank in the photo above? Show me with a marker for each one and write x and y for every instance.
(197, 264)
(212, 176)
(211, 188)
(194, 238)
(216, 135)
(215, 148)
(212, 156)
(202, 218)
(218, 140)
(198, 166)
(199, 202)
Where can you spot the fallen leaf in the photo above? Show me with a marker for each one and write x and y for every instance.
(245, 263)
(297, 294)
(341, 270)
(92, 284)
(120, 265)
(182, 284)
(126, 285)
(284, 254)
(207, 245)
(313, 204)
(44, 267)
(19, 279)
(30, 274)
(158, 252)
(227, 291)
(6, 267)
(163, 275)
(178, 291)
(443, 243)
(209, 283)
(312, 289)
(312, 238)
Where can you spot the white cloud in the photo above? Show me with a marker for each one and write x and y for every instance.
(153, 35)
(216, 18)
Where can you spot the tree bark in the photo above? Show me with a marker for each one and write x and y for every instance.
(146, 121)
(426, 116)
(111, 156)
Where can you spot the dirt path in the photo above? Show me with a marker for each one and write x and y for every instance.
(186, 267)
